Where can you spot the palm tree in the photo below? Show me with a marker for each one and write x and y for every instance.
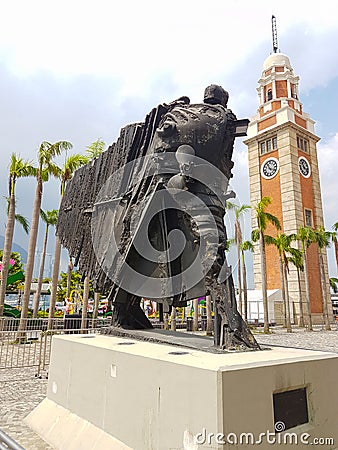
(72, 163)
(18, 168)
(297, 260)
(95, 149)
(322, 239)
(245, 246)
(306, 237)
(46, 168)
(335, 240)
(283, 244)
(239, 211)
(263, 219)
(50, 218)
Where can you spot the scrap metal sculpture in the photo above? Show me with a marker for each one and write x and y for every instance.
(146, 218)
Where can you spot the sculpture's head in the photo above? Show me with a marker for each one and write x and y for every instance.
(216, 95)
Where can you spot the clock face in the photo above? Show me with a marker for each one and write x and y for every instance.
(269, 168)
(304, 167)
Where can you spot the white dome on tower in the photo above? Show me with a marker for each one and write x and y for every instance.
(276, 59)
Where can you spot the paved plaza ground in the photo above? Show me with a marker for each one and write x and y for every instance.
(21, 391)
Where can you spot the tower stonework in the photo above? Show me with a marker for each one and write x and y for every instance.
(283, 165)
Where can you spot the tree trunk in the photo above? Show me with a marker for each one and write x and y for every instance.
(173, 318)
(55, 278)
(281, 272)
(210, 325)
(245, 288)
(97, 296)
(69, 276)
(85, 298)
(7, 251)
(301, 312)
(264, 283)
(307, 292)
(195, 317)
(240, 294)
(36, 298)
(336, 251)
(287, 300)
(166, 321)
(324, 293)
(31, 254)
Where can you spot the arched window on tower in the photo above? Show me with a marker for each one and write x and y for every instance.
(294, 92)
(269, 95)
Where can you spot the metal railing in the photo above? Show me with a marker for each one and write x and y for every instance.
(7, 443)
(29, 344)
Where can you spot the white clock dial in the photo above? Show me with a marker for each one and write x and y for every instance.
(304, 167)
(269, 168)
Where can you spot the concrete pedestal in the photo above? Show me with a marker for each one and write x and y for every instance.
(116, 393)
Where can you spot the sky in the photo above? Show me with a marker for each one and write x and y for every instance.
(80, 70)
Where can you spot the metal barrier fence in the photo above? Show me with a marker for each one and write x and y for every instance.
(29, 345)
(7, 443)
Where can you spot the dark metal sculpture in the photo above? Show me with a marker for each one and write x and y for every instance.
(146, 218)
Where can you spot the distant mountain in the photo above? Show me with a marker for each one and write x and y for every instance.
(15, 248)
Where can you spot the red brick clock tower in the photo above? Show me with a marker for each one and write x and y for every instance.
(283, 165)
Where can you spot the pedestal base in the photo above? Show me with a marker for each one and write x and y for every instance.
(108, 392)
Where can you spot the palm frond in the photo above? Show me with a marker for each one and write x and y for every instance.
(95, 149)
(255, 234)
(274, 220)
(334, 284)
(269, 240)
(72, 163)
(23, 222)
(247, 245)
(322, 237)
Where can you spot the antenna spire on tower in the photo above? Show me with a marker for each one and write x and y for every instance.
(274, 34)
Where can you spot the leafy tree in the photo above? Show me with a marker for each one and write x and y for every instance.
(264, 218)
(45, 169)
(18, 168)
(76, 286)
(50, 219)
(16, 265)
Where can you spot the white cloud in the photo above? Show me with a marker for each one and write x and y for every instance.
(138, 41)
(80, 70)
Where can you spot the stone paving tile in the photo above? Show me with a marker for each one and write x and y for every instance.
(20, 393)
(319, 339)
